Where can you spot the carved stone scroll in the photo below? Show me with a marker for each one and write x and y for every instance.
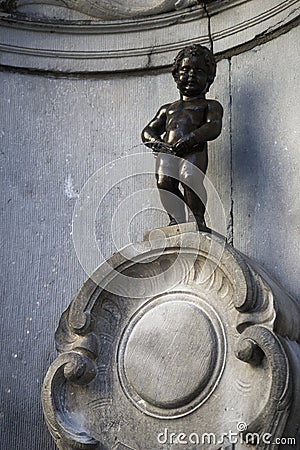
(176, 338)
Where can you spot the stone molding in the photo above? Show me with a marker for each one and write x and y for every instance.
(143, 44)
(219, 306)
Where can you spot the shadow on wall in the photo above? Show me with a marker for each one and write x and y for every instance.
(261, 164)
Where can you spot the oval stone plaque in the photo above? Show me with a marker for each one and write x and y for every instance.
(169, 356)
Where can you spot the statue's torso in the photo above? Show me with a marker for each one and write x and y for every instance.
(183, 117)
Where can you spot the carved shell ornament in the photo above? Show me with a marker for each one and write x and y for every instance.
(112, 9)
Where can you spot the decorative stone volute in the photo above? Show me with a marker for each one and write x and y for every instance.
(104, 9)
(112, 9)
(181, 334)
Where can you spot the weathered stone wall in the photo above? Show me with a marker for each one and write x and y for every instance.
(57, 131)
(265, 155)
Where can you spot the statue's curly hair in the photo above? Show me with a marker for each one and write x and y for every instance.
(201, 52)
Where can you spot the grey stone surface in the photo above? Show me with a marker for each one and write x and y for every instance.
(54, 135)
(39, 266)
(181, 335)
(247, 20)
(219, 162)
(265, 136)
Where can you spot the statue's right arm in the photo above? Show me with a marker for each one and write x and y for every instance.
(152, 133)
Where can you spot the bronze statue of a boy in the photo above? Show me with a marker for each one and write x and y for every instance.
(183, 128)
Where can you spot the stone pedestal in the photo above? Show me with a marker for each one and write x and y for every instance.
(178, 340)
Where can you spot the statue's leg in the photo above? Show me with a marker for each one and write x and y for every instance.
(168, 185)
(192, 172)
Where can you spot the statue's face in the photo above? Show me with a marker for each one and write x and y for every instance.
(192, 76)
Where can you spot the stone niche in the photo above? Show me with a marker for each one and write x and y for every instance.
(175, 338)
(102, 36)
(55, 63)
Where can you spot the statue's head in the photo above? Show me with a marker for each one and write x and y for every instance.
(194, 70)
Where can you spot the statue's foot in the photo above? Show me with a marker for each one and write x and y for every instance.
(202, 225)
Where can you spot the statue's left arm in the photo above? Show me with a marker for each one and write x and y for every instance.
(209, 131)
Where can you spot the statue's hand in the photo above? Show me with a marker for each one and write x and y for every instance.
(185, 144)
(162, 147)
